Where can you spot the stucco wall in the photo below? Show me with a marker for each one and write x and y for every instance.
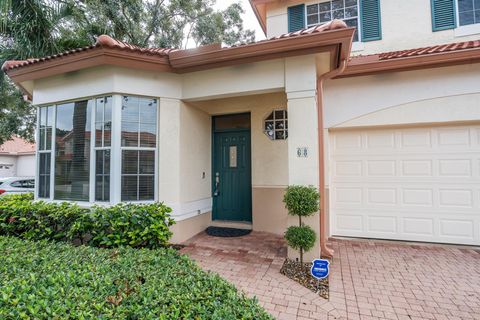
(195, 154)
(26, 166)
(12, 162)
(351, 98)
(405, 24)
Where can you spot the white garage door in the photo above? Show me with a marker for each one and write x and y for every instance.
(420, 184)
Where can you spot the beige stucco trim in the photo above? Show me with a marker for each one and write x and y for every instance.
(185, 229)
(269, 213)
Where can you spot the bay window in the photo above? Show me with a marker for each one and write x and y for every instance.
(82, 144)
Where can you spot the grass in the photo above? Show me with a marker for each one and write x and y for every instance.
(52, 280)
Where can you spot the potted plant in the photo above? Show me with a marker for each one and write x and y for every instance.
(301, 201)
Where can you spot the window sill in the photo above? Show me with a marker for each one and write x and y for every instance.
(467, 30)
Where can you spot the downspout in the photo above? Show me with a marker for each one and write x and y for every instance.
(324, 250)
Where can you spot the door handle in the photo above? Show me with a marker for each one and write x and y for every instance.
(216, 193)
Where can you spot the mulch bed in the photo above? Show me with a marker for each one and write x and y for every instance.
(301, 274)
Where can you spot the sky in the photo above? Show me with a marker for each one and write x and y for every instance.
(249, 19)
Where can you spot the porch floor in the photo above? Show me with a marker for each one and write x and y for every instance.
(252, 263)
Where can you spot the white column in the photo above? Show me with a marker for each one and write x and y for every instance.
(303, 136)
(116, 152)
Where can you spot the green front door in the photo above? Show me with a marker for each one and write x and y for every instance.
(232, 182)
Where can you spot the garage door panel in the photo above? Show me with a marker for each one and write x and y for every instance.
(442, 228)
(420, 184)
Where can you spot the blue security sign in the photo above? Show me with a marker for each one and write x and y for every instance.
(319, 268)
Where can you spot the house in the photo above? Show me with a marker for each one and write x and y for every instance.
(376, 102)
(17, 158)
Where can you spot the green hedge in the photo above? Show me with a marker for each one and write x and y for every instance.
(54, 280)
(135, 225)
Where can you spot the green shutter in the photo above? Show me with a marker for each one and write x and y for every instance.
(296, 18)
(370, 20)
(443, 14)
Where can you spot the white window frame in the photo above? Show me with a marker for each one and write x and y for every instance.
(115, 152)
(356, 44)
(466, 30)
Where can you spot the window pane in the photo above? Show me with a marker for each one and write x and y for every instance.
(466, 18)
(325, 17)
(129, 188)
(72, 157)
(129, 162)
(338, 14)
(50, 116)
(102, 171)
(44, 175)
(130, 134)
(148, 136)
(477, 16)
(102, 188)
(351, 12)
(312, 9)
(349, 3)
(325, 6)
(147, 162)
(337, 4)
(130, 109)
(465, 5)
(42, 133)
(98, 134)
(148, 110)
(313, 19)
(43, 116)
(146, 188)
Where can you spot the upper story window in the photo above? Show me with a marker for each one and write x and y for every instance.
(468, 12)
(346, 10)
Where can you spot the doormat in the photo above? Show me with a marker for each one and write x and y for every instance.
(226, 232)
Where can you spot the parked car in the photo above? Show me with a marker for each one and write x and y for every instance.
(15, 185)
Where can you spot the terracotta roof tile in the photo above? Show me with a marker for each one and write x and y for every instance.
(108, 42)
(17, 146)
(443, 48)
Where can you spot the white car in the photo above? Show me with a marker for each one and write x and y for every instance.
(16, 185)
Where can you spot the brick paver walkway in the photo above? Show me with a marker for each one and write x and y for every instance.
(397, 280)
(252, 263)
(368, 280)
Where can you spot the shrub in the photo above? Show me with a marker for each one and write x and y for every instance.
(301, 201)
(300, 237)
(136, 225)
(54, 280)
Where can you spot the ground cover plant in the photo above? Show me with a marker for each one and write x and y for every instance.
(55, 280)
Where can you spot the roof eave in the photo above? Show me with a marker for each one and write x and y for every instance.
(261, 19)
(85, 59)
(437, 60)
(267, 50)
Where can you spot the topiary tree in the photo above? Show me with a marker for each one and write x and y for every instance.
(301, 201)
